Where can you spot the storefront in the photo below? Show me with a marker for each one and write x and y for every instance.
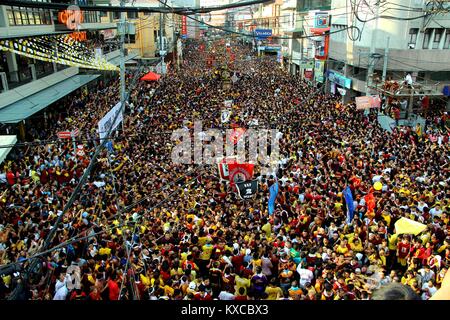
(339, 84)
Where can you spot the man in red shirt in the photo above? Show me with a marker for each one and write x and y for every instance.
(403, 249)
(114, 289)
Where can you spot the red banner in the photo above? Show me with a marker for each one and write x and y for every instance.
(183, 26)
(240, 172)
(224, 172)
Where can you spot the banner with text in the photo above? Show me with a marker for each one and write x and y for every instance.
(367, 102)
(247, 189)
(105, 124)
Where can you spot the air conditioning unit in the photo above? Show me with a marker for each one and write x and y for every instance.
(411, 45)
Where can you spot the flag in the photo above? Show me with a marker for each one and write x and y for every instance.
(350, 206)
(408, 226)
(370, 202)
(273, 192)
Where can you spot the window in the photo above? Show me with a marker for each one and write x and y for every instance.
(447, 39)
(132, 15)
(116, 15)
(18, 16)
(426, 38)
(437, 38)
(413, 36)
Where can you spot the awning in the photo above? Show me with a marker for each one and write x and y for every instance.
(6, 144)
(116, 61)
(30, 105)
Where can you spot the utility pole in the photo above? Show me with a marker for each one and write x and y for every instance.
(162, 52)
(122, 28)
(385, 62)
(411, 103)
(372, 50)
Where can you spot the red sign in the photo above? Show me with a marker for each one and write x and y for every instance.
(184, 26)
(65, 135)
(68, 134)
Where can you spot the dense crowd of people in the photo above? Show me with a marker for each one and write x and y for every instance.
(144, 227)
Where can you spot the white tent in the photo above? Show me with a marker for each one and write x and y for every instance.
(6, 144)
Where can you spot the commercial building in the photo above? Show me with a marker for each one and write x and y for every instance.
(28, 84)
(378, 48)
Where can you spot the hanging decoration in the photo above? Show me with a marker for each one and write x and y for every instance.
(62, 49)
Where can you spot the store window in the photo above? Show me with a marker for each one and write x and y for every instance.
(21, 16)
(413, 32)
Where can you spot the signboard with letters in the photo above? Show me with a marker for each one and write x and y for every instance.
(340, 79)
(263, 33)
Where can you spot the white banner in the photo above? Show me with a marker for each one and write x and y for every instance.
(107, 121)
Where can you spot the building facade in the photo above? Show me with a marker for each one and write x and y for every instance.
(375, 49)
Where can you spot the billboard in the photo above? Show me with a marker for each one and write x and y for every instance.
(318, 70)
(339, 79)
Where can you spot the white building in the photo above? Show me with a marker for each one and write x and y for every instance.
(416, 43)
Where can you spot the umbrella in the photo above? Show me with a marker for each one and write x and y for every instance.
(151, 76)
(408, 226)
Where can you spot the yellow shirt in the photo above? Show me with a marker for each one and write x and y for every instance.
(206, 253)
(342, 250)
(241, 283)
(103, 251)
(393, 242)
(357, 248)
(273, 293)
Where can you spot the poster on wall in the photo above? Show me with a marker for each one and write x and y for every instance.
(309, 74)
(318, 70)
